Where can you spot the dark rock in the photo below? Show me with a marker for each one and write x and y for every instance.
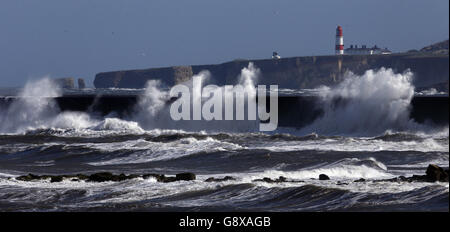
(399, 179)
(165, 179)
(28, 177)
(81, 176)
(436, 173)
(168, 179)
(133, 176)
(107, 176)
(121, 176)
(66, 82)
(360, 180)
(419, 178)
(341, 183)
(158, 177)
(56, 179)
(81, 83)
(323, 177)
(280, 179)
(101, 177)
(33, 176)
(226, 178)
(96, 177)
(24, 178)
(185, 176)
(265, 179)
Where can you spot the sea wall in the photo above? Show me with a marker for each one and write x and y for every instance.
(294, 111)
(429, 70)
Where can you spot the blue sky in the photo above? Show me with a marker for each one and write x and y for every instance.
(80, 38)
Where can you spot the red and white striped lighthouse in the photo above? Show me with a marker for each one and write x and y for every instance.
(339, 41)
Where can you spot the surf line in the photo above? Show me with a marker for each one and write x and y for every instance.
(223, 98)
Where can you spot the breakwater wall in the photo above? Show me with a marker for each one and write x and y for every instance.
(294, 111)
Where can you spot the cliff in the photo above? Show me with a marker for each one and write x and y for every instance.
(437, 48)
(81, 83)
(430, 70)
(65, 82)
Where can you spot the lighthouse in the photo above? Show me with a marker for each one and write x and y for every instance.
(339, 41)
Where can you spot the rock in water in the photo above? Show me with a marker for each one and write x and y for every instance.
(436, 173)
(341, 183)
(108, 176)
(185, 176)
(323, 177)
(56, 179)
(101, 177)
(65, 83)
(280, 179)
(226, 178)
(28, 177)
(81, 83)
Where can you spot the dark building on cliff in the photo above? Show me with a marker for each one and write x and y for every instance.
(364, 50)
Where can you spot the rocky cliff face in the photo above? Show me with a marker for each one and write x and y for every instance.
(138, 78)
(437, 48)
(65, 82)
(295, 72)
(81, 83)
